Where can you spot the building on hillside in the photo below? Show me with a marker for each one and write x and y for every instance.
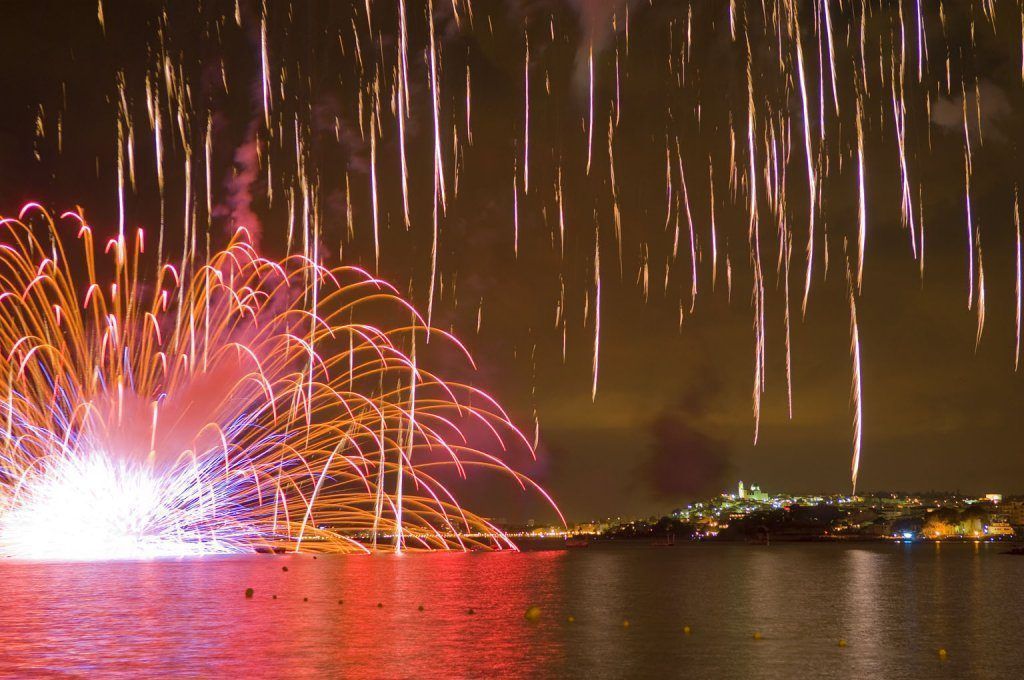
(999, 528)
(755, 494)
(1014, 511)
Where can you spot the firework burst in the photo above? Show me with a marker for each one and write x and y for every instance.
(228, 405)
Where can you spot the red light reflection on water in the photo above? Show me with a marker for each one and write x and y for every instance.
(191, 617)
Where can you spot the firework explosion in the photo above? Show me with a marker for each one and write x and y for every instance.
(223, 406)
(680, 155)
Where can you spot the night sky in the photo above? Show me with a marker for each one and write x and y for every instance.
(673, 415)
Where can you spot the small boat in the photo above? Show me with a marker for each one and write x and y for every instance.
(269, 550)
(576, 541)
(761, 537)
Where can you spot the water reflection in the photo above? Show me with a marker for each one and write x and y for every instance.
(895, 605)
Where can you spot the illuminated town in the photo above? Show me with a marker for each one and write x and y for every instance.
(751, 514)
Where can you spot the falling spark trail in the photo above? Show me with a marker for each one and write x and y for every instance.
(590, 110)
(788, 246)
(597, 308)
(812, 188)
(120, 182)
(526, 116)
(714, 235)
(399, 541)
(981, 295)
(436, 101)
(668, 184)
(1018, 288)
(402, 101)
(856, 392)
(469, 126)
(561, 217)
(831, 53)
(265, 63)
(433, 261)
(907, 207)
(862, 209)
(689, 222)
(921, 49)
(754, 243)
(970, 230)
(616, 214)
(373, 191)
(515, 213)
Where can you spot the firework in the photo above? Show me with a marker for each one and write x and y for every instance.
(800, 109)
(225, 405)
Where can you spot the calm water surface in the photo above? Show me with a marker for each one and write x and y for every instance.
(895, 606)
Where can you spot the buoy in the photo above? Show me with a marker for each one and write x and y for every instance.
(380, 605)
(470, 611)
(686, 630)
(274, 596)
(532, 613)
(341, 601)
(625, 623)
(842, 642)
(942, 653)
(571, 618)
(249, 592)
(284, 568)
(305, 599)
(757, 635)
(420, 607)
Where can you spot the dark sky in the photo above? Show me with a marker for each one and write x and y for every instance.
(673, 417)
